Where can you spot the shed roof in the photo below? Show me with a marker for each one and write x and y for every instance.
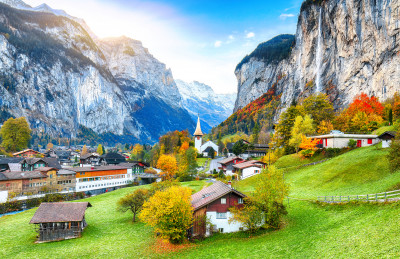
(60, 212)
(211, 193)
(251, 163)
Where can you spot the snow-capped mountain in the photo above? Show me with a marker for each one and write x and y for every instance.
(200, 99)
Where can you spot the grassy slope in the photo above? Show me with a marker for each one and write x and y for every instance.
(383, 129)
(310, 230)
(109, 233)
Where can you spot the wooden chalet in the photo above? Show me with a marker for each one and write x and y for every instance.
(28, 153)
(60, 220)
(214, 202)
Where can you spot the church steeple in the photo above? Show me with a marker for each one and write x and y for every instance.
(198, 132)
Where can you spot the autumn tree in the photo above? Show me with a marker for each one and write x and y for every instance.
(394, 154)
(15, 134)
(318, 107)
(137, 152)
(308, 146)
(170, 213)
(168, 165)
(84, 150)
(49, 146)
(302, 126)
(133, 202)
(100, 149)
(283, 130)
(324, 127)
(250, 215)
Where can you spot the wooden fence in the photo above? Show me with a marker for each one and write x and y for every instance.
(376, 197)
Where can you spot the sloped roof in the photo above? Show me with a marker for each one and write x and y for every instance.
(112, 155)
(8, 160)
(250, 163)
(98, 168)
(23, 175)
(229, 159)
(208, 149)
(212, 193)
(391, 133)
(60, 212)
(88, 155)
(26, 150)
(3, 177)
(65, 172)
(198, 132)
(46, 169)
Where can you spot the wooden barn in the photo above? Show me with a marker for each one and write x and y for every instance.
(60, 220)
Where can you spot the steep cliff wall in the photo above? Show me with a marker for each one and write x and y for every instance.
(55, 74)
(342, 48)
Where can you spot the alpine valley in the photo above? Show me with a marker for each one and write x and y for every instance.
(65, 80)
(341, 48)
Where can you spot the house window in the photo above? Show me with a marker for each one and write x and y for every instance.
(240, 201)
(221, 230)
(369, 141)
(223, 200)
(221, 215)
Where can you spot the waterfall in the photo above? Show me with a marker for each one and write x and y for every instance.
(318, 56)
(299, 47)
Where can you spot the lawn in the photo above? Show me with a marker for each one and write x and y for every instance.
(201, 161)
(383, 129)
(310, 230)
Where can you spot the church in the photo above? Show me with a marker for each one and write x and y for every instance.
(198, 141)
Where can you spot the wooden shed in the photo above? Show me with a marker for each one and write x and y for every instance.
(60, 220)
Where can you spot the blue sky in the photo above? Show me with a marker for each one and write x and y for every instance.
(198, 40)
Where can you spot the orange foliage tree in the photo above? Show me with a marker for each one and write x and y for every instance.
(168, 165)
(308, 145)
(170, 213)
(363, 114)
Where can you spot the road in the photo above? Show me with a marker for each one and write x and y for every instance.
(214, 164)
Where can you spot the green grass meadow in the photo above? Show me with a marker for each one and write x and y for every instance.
(310, 230)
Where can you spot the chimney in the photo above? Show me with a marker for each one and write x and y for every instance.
(230, 184)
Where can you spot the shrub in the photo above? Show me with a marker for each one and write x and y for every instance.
(332, 152)
(394, 155)
(352, 143)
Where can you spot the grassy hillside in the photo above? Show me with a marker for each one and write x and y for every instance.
(310, 230)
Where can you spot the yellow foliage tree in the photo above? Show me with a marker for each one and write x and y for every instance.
(170, 213)
(168, 165)
(84, 150)
(308, 145)
(49, 146)
(324, 127)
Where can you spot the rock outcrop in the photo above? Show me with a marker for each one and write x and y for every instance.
(341, 47)
(54, 73)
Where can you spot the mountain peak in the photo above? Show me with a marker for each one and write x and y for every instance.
(16, 4)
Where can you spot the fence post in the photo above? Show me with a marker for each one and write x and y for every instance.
(385, 196)
(348, 198)
(357, 197)
(325, 198)
(367, 198)
(332, 198)
(376, 197)
(340, 198)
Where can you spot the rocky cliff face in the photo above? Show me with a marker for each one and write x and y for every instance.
(200, 99)
(54, 73)
(342, 48)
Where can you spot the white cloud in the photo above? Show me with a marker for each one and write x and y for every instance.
(218, 44)
(250, 35)
(286, 15)
(231, 37)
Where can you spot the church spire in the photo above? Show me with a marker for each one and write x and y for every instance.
(198, 128)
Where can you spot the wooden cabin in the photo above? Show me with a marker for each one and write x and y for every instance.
(59, 220)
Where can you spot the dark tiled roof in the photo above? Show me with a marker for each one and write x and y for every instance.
(23, 175)
(208, 149)
(3, 177)
(112, 156)
(32, 160)
(98, 168)
(52, 162)
(87, 156)
(60, 212)
(229, 159)
(8, 160)
(391, 133)
(211, 193)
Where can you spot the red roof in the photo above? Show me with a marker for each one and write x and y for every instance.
(229, 159)
(212, 193)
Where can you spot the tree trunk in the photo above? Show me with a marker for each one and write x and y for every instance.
(134, 217)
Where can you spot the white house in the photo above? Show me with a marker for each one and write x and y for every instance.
(386, 138)
(214, 202)
(198, 141)
(248, 168)
(337, 139)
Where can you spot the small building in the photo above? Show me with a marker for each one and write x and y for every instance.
(214, 202)
(256, 150)
(8, 163)
(59, 220)
(112, 159)
(228, 163)
(337, 139)
(28, 153)
(198, 140)
(23, 183)
(248, 168)
(31, 164)
(387, 138)
(208, 150)
(91, 159)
